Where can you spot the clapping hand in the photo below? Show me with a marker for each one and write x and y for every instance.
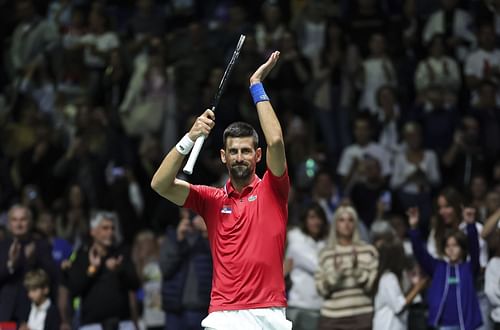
(261, 73)
(113, 263)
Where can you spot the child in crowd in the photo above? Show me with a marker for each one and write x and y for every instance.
(452, 299)
(492, 278)
(43, 314)
(390, 300)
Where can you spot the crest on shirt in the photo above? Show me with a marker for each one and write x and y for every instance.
(252, 198)
(226, 209)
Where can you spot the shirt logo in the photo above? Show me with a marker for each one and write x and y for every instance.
(252, 198)
(226, 209)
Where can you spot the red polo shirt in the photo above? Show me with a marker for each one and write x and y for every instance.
(247, 239)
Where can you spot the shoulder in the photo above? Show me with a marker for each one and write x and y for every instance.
(295, 235)
(493, 265)
(368, 248)
(388, 279)
(206, 191)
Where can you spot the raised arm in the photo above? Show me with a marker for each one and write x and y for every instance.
(426, 261)
(490, 224)
(276, 161)
(469, 216)
(164, 180)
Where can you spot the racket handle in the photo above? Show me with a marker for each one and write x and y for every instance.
(193, 156)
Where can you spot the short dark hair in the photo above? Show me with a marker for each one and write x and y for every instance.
(240, 129)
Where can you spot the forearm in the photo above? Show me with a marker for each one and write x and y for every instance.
(415, 291)
(164, 178)
(490, 224)
(270, 124)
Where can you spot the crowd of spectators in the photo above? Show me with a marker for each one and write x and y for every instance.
(385, 105)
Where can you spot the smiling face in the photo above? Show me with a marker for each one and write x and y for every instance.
(446, 211)
(453, 250)
(104, 233)
(240, 157)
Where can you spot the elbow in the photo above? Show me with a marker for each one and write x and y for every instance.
(276, 141)
(155, 185)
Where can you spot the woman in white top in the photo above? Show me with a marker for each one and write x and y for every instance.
(390, 300)
(492, 278)
(437, 69)
(304, 244)
(375, 72)
(416, 172)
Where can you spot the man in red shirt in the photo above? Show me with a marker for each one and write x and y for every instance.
(246, 219)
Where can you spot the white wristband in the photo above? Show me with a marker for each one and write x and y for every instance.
(185, 145)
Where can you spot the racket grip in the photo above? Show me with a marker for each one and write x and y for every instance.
(193, 156)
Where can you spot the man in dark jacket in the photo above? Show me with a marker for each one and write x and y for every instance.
(105, 278)
(186, 266)
(18, 255)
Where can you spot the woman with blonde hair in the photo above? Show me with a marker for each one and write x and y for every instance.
(347, 271)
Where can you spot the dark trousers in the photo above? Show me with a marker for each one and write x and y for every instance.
(185, 320)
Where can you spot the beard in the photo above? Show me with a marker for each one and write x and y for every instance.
(240, 172)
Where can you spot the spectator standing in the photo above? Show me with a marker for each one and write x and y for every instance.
(304, 244)
(186, 267)
(390, 300)
(105, 279)
(454, 24)
(19, 255)
(416, 172)
(376, 71)
(466, 156)
(438, 69)
(492, 279)
(347, 272)
(352, 156)
(146, 256)
(451, 296)
(483, 63)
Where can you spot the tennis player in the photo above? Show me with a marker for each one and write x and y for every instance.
(246, 219)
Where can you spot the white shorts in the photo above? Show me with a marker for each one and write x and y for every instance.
(272, 318)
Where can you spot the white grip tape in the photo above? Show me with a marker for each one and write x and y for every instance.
(193, 156)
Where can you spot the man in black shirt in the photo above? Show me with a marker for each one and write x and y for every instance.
(104, 277)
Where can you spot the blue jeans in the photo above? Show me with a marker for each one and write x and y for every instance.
(185, 320)
(449, 327)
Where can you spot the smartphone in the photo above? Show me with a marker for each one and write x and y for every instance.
(386, 199)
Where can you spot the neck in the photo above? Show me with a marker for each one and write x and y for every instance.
(101, 249)
(344, 241)
(40, 303)
(240, 184)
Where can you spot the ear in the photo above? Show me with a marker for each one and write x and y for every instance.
(223, 156)
(258, 154)
(46, 291)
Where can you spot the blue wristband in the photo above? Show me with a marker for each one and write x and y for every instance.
(258, 93)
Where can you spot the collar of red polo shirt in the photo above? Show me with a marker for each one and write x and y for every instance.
(230, 189)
